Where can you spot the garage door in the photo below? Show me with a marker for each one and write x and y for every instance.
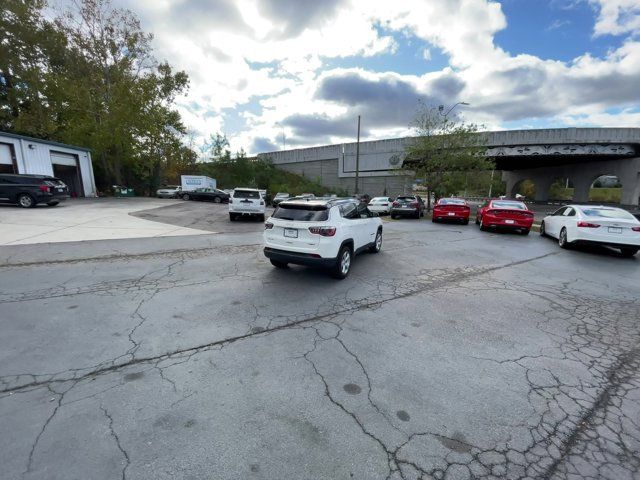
(65, 168)
(6, 163)
(63, 159)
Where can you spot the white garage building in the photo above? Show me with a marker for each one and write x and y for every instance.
(72, 165)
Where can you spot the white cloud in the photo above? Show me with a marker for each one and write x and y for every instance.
(274, 52)
(617, 17)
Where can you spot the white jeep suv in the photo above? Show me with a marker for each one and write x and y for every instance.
(246, 202)
(324, 233)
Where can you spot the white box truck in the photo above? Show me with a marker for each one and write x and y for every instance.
(193, 182)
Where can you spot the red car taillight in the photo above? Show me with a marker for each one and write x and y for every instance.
(415, 204)
(635, 229)
(395, 204)
(268, 226)
(588, 225)
(323, 231)
(44, 188)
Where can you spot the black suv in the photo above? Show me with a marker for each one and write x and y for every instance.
(29, 190)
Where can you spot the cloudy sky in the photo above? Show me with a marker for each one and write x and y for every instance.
(308, 68)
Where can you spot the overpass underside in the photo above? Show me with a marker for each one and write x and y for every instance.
(580, 170)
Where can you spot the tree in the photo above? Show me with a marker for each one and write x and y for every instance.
(444, 147)
(89, 78)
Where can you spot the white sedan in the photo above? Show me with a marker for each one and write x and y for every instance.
(610, 226)
(380, 205)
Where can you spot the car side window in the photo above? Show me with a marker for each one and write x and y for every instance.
(569, 212)
(363, 211)
(349, 211)
(560, 211)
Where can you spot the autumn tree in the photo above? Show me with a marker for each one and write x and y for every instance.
(443, 147)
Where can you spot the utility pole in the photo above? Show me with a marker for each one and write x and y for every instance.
(358, 156)
(491, 182)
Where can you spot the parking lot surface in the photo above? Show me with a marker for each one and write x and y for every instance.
(84, 219)
(453, 354)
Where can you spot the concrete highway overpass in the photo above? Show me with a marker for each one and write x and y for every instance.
(580, 155)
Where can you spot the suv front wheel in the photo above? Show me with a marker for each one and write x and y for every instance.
(377, 244)
(343, 264)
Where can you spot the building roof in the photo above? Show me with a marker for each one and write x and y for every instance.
(40, 140)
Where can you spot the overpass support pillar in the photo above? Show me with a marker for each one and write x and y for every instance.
(630, 187)
(581, 185)
(543, 184)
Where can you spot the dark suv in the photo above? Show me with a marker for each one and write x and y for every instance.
(29, 190)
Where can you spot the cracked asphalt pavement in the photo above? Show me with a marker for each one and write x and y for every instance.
(453, 354)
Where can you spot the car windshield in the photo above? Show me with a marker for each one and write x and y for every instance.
(511, 205)
(302, 213)
(246, 194)
(608, 213)
(451, 201)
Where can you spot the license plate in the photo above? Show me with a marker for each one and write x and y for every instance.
(509, 222)
(615, 230)
(451, 214)
(291, 232)
(61, 189)
(405, 206)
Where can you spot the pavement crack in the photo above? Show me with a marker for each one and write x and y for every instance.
(118, 443)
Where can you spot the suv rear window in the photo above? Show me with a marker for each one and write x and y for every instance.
(406, 199)
(302, 213)
(246, 194)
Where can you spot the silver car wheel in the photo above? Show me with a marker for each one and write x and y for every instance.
(345, 262)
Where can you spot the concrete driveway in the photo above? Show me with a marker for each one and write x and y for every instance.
(85, 219)
(452, 354)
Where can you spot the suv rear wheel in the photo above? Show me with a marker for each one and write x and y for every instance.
(343, 264)
(278, 264)
(26, 201)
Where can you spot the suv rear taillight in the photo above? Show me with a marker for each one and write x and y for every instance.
(588, 225)
(395, 204)
(323, 231)
(415, 204)
(44, 188)
(635, 229)
(268, 226)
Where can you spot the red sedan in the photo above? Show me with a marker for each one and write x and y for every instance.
(451, 209)
(505, 214)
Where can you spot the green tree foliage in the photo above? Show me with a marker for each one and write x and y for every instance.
(242, 171)
(444, 147)
(89, 78)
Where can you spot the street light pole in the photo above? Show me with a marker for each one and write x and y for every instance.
(358, 156)
(441, 108)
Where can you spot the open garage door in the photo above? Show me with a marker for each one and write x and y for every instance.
(6, 159)
(65, 167)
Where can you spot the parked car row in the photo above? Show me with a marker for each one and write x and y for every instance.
(27, 191)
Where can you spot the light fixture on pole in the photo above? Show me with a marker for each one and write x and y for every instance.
(441, 108)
